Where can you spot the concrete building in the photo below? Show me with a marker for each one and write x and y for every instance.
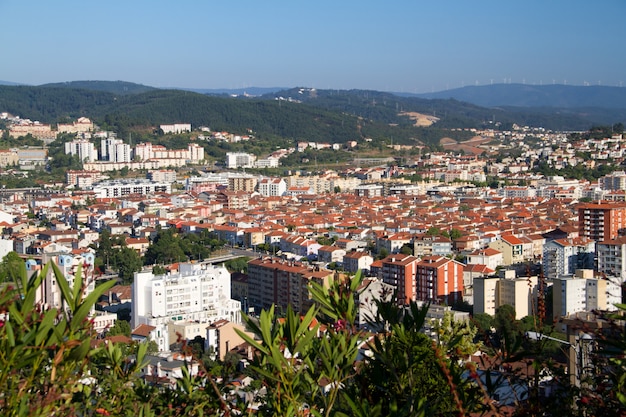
(520, 293)
(565, 256)
(399, 271)
(272, 187)
(197, 292)
(611, 256)
(602, 221)
(511, 247)
(236, 160)
(439, 279)
(124, 187)
(273, 281)
(584, 291)
(84, 149)
(357, 261)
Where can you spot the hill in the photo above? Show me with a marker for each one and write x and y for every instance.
(542, 96)
(115, 87)
(297, 114)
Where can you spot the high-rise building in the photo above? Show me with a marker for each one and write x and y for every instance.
(439, 279)
(399, 271)
(197, 292)
(272, 281)
(602, 221)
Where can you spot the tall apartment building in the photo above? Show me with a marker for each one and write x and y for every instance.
(565, 256)
(439, 279)
(245, 183)
(197, 292)
(492, 292)
(115, 150)
(611, 256)
(584, 292)
(272, 281)
(84, 149)
(602, 221)
(613, 181)
(272, 187)
(400, 271)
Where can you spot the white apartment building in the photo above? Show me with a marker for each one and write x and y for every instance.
(176, 128)
(269, 162)
(612, 258)
(584, 292)
(565, 256)
(197, 292)
(272, 187)
(119, 188)
(115, 150)
(236, 160)
(85, 150)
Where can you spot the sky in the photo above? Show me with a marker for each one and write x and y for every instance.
(410, 46)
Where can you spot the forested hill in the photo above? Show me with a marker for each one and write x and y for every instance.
(299, 114)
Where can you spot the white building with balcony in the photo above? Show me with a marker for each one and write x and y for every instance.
(198, 292)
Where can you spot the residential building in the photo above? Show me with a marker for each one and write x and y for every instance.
(197, 292)
(84, 149)
(272, 281)
(612, 258)
(236, 160)
(125, 187)
(357, 261)
(565, 256)
(439, 279)
(490, 257)
(584, 291)
(511, 247)
(272, 187)
(601, 221)
(492, 292)
(399, 271)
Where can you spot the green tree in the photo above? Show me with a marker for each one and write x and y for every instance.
(11, 267)
(120, 327)
(127, 261)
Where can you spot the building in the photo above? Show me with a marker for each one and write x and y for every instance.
(8, 157)
(357, 261)
(369, 190)
(222, 337)
(511, 247)
(114, 150)
(399, 271)
(611, 256)
(584, 291)
(601, 221)
(246, 183)
(565, 256)
(492, 292)
(162, 175)
(439, 279)
(273, 281)
(176, 128)
(84, 149)
(272, 187)
(236, 160)
(490, 257)
(124, 187)
(197, 292)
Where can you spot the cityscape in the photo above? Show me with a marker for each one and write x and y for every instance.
(372, 209)
(430, 228)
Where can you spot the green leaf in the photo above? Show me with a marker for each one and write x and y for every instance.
(85, 307)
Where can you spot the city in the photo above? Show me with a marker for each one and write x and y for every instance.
(429, 228)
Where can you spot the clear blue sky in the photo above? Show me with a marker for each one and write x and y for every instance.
(404, 45)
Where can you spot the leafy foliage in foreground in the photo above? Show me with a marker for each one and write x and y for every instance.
(319, 363)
